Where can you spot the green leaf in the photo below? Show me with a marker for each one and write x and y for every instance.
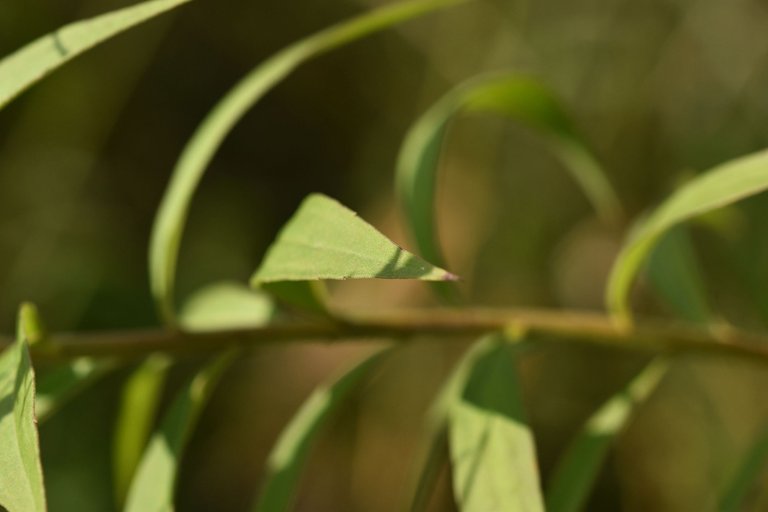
(152, 489)
(306, 296)
(292, 448)
(138, 408)
(226, 305)
(518, 98)
(673, 271)
(34, 61)
(325, 240)
(577, 470)
(21, 476)
(58, 386)
(746, 474)
(199, 151)
(492, 448)
(723, 185)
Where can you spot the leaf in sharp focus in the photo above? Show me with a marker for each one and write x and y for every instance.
(326, 240)
(291, 450)
(674, 274)
(21, 476)
(57, 387)
(723, 185)
(520, 98)
(152, 489)
(138, 408)
(199, 151)
(492, 448)
(578, 468)
(226, 305)
(34, 61)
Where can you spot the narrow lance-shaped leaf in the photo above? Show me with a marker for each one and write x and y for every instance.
(291, 451)
(171, 216)
(152, 489)
(577, 470)
(491, 445)
(519, 98)
(746, 474)
(34, 61)
(723, 185)
(326, 240)
(21, 477)
(138, 409)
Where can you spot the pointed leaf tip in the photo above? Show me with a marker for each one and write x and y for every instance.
(326, 240)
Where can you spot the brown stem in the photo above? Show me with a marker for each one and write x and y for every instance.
(542, 325)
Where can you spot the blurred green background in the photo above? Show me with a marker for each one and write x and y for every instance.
(661, 89)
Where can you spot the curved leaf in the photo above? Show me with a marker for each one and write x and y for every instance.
(57, 387)
(492, 448)
(133, 425)
(171, 216)
(21, 477)
(519, 98)
(34, 61)
(292, 448)
(745, 475)
(153, 486)
(575, 474)
(326, 240)
(723, 185)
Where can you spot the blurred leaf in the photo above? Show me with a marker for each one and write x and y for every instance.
(516, 97)
(326, 240)
(720, 186)
(199, 151)
(745, 476)
(152, 489)
(306, 296)
(58, 386)
(492, 448)
(34, 61)
(291, 450)
(226, 305)
(674, 274)
(138, 408)
(578, 468)
(21, 477)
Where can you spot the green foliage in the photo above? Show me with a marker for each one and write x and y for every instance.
(28, 65)
(21, 477)
(479, 417)
(291, 450)
(325, 240)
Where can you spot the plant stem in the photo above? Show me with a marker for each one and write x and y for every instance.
(539, 325)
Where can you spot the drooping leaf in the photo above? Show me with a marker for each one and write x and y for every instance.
(577, 470)
(152, 489)
(21, 477)
(326, 240)
(723, 185)
(226, 305)
(58, 386)
(138, 408)
(199, 151)
(519, 98)
(34, 61)
(491, 445)
(291, 450)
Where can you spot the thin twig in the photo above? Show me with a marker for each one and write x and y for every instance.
(540, 325)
